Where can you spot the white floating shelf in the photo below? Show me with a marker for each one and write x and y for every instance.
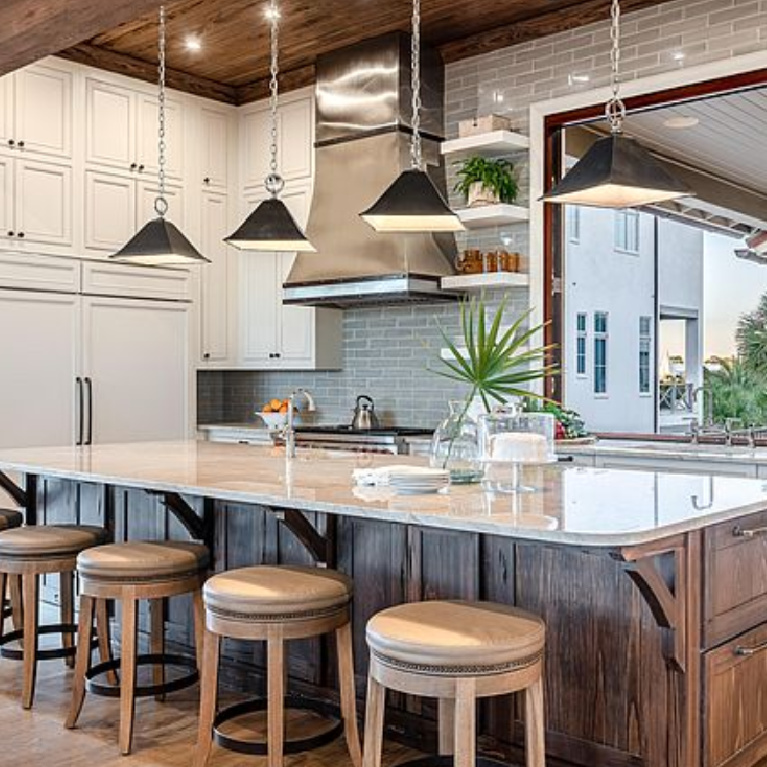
(485, 280)
(492, 215)
(486, 144)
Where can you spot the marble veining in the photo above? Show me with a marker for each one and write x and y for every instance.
(581, 506)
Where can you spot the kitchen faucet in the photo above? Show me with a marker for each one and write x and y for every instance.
(289, 432)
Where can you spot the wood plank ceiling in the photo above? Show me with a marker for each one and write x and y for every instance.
(232, 63)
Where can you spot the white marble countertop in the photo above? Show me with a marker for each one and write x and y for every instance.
(578, 506)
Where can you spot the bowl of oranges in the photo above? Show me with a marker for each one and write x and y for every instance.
(275, 413)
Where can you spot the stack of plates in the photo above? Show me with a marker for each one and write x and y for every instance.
(418, 479)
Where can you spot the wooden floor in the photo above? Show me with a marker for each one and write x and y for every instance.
(164, 732)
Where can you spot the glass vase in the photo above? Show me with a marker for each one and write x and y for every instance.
(455, 446)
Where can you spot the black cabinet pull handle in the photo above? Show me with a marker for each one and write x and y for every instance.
(89, 389)
(21, 145)
(80, 409)
(206, 180)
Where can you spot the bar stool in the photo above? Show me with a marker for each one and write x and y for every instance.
(276, 604)
(10, 518)
(26, 553)
(129, 572)
(456, 652)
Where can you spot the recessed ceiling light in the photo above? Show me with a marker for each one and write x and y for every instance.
(193, 43)
(681, 121)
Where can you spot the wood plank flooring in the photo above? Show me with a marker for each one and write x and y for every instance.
(164, 732)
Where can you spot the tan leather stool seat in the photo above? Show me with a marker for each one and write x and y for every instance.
(10, 518)
(49, 540)
(143, 560)
(458, 636)
(276, 591)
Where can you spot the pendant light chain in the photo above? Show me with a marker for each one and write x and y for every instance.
(416, 153)
(615, 110)
(161, 203)
(274, 182)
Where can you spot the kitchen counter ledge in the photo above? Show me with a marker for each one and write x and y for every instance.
(578, 506)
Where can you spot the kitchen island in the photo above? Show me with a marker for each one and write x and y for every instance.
(653, 585)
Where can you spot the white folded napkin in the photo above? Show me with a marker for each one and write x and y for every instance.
(383, 475)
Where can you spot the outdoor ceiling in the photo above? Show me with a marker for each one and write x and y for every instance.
(232, 62)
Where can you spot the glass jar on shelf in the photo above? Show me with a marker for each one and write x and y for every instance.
(455, 446)
(510, 439)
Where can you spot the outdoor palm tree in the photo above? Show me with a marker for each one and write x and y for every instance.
(751, 338)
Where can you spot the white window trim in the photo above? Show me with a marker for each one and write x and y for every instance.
(628, 214)
(599, 336)
(649, 338)
(573, 232)
(584, 334)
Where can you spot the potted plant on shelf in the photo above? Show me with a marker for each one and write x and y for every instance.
(484, 181)
(496, 365)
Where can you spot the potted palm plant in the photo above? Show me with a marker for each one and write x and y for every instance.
(485, 181)
(496, 365)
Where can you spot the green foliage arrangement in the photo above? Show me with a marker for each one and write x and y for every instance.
(737, 392)
(496, 364)
(751, 338)
(495, 175)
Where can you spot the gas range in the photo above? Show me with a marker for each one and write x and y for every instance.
(388, 439)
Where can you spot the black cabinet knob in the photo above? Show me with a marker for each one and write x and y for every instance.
(141, 168)
(21, 234)
(11, 233)
(21, 144)
(206, 356)
(11, 142)
(133, 166)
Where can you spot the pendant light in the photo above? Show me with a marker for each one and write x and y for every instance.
(412, 203)
(617, 171)
(159, 242)
(270, 226)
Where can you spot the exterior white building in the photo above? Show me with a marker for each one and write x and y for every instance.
(613, 262)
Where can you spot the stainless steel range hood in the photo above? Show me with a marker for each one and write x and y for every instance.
(362, 144)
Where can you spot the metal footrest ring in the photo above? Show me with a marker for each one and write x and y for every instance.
(44, 653)
(448, 761)
(293, 746)
(143, 691)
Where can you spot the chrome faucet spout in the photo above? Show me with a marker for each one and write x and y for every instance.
(289, 432)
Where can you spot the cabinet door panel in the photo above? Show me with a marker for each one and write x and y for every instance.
(110, 124)
(296, 326)
(258, 287)
(7, 83)
(214, 146)
(37, 391)
(43, 197)
(255, 147)
(214, 304)
(110, 211)
(7, 227)
(146, 151)
(44, 110)
(136, 352)
(296, 139)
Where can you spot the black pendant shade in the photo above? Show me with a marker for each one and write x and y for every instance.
(617, 172)
(159, 243)
(412, 204)
(270, 227)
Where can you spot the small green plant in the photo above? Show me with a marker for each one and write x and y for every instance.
(494, 175)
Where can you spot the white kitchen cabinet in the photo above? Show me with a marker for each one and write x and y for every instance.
(215, 278)
(135, 355)
(38, 391)
(35, 204)
(295, 130)
(273, 335)
(121, 129)
(215, 147)
(116, 206)
(6, 108)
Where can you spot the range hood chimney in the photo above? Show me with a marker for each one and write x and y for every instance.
(362, 144)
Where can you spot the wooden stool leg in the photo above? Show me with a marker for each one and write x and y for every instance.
(374, 723)
(104, 637)
(208, 697)
(128, 673)
(535, 745)
(275, 649)
(17, 603)
(157, 640)
(67, 611)
(3, 583)
(465, 723)
(199, 627)
(347, 692)
(83, 659)
(446, 725)
(30, 589)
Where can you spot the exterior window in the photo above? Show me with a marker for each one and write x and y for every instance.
(600, 352)
(574, 223)
(581, 339)
(645, 353)
(627, 231)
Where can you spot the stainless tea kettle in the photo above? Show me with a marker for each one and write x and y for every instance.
(365, 414)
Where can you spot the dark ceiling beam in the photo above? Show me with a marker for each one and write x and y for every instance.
(103, 58)
(550, 23)
(290, 80)
(32, 29)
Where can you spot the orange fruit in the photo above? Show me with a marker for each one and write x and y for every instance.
(267, 408)
(275, 404)
(284, 409)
